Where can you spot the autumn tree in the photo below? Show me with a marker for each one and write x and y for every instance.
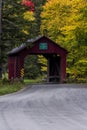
(34, 65)
(65, 22)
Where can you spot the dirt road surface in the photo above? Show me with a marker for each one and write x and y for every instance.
(45, 107)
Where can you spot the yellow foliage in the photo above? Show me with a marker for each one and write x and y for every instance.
(43, 61)
(25, 31)
(29, 16)
(65, 21)
(63, 16)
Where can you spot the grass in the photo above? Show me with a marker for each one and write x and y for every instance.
(6, 88)
(32, 81)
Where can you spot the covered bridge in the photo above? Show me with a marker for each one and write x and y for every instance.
(41, 45)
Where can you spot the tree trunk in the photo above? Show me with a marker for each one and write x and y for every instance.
(0, 15)
(0, 35)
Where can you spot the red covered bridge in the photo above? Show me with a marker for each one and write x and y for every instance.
(55, 55)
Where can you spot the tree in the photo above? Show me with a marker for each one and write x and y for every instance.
(0, 34)
(20, 21)
(65, 22)
(16, 22)
(16, 19)
(32, 69)
(34, 64)
(0, 14)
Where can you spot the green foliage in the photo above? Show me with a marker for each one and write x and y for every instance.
(33, 81)
(6, 87)
(35, 25)
(32, 68)
(15, 22)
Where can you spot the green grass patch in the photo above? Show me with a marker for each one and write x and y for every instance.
(6, 88)
(11, 87)
(33, 81)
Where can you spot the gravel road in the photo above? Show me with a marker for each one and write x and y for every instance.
(45, 107)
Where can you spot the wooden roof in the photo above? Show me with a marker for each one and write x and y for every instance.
(32, 41)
